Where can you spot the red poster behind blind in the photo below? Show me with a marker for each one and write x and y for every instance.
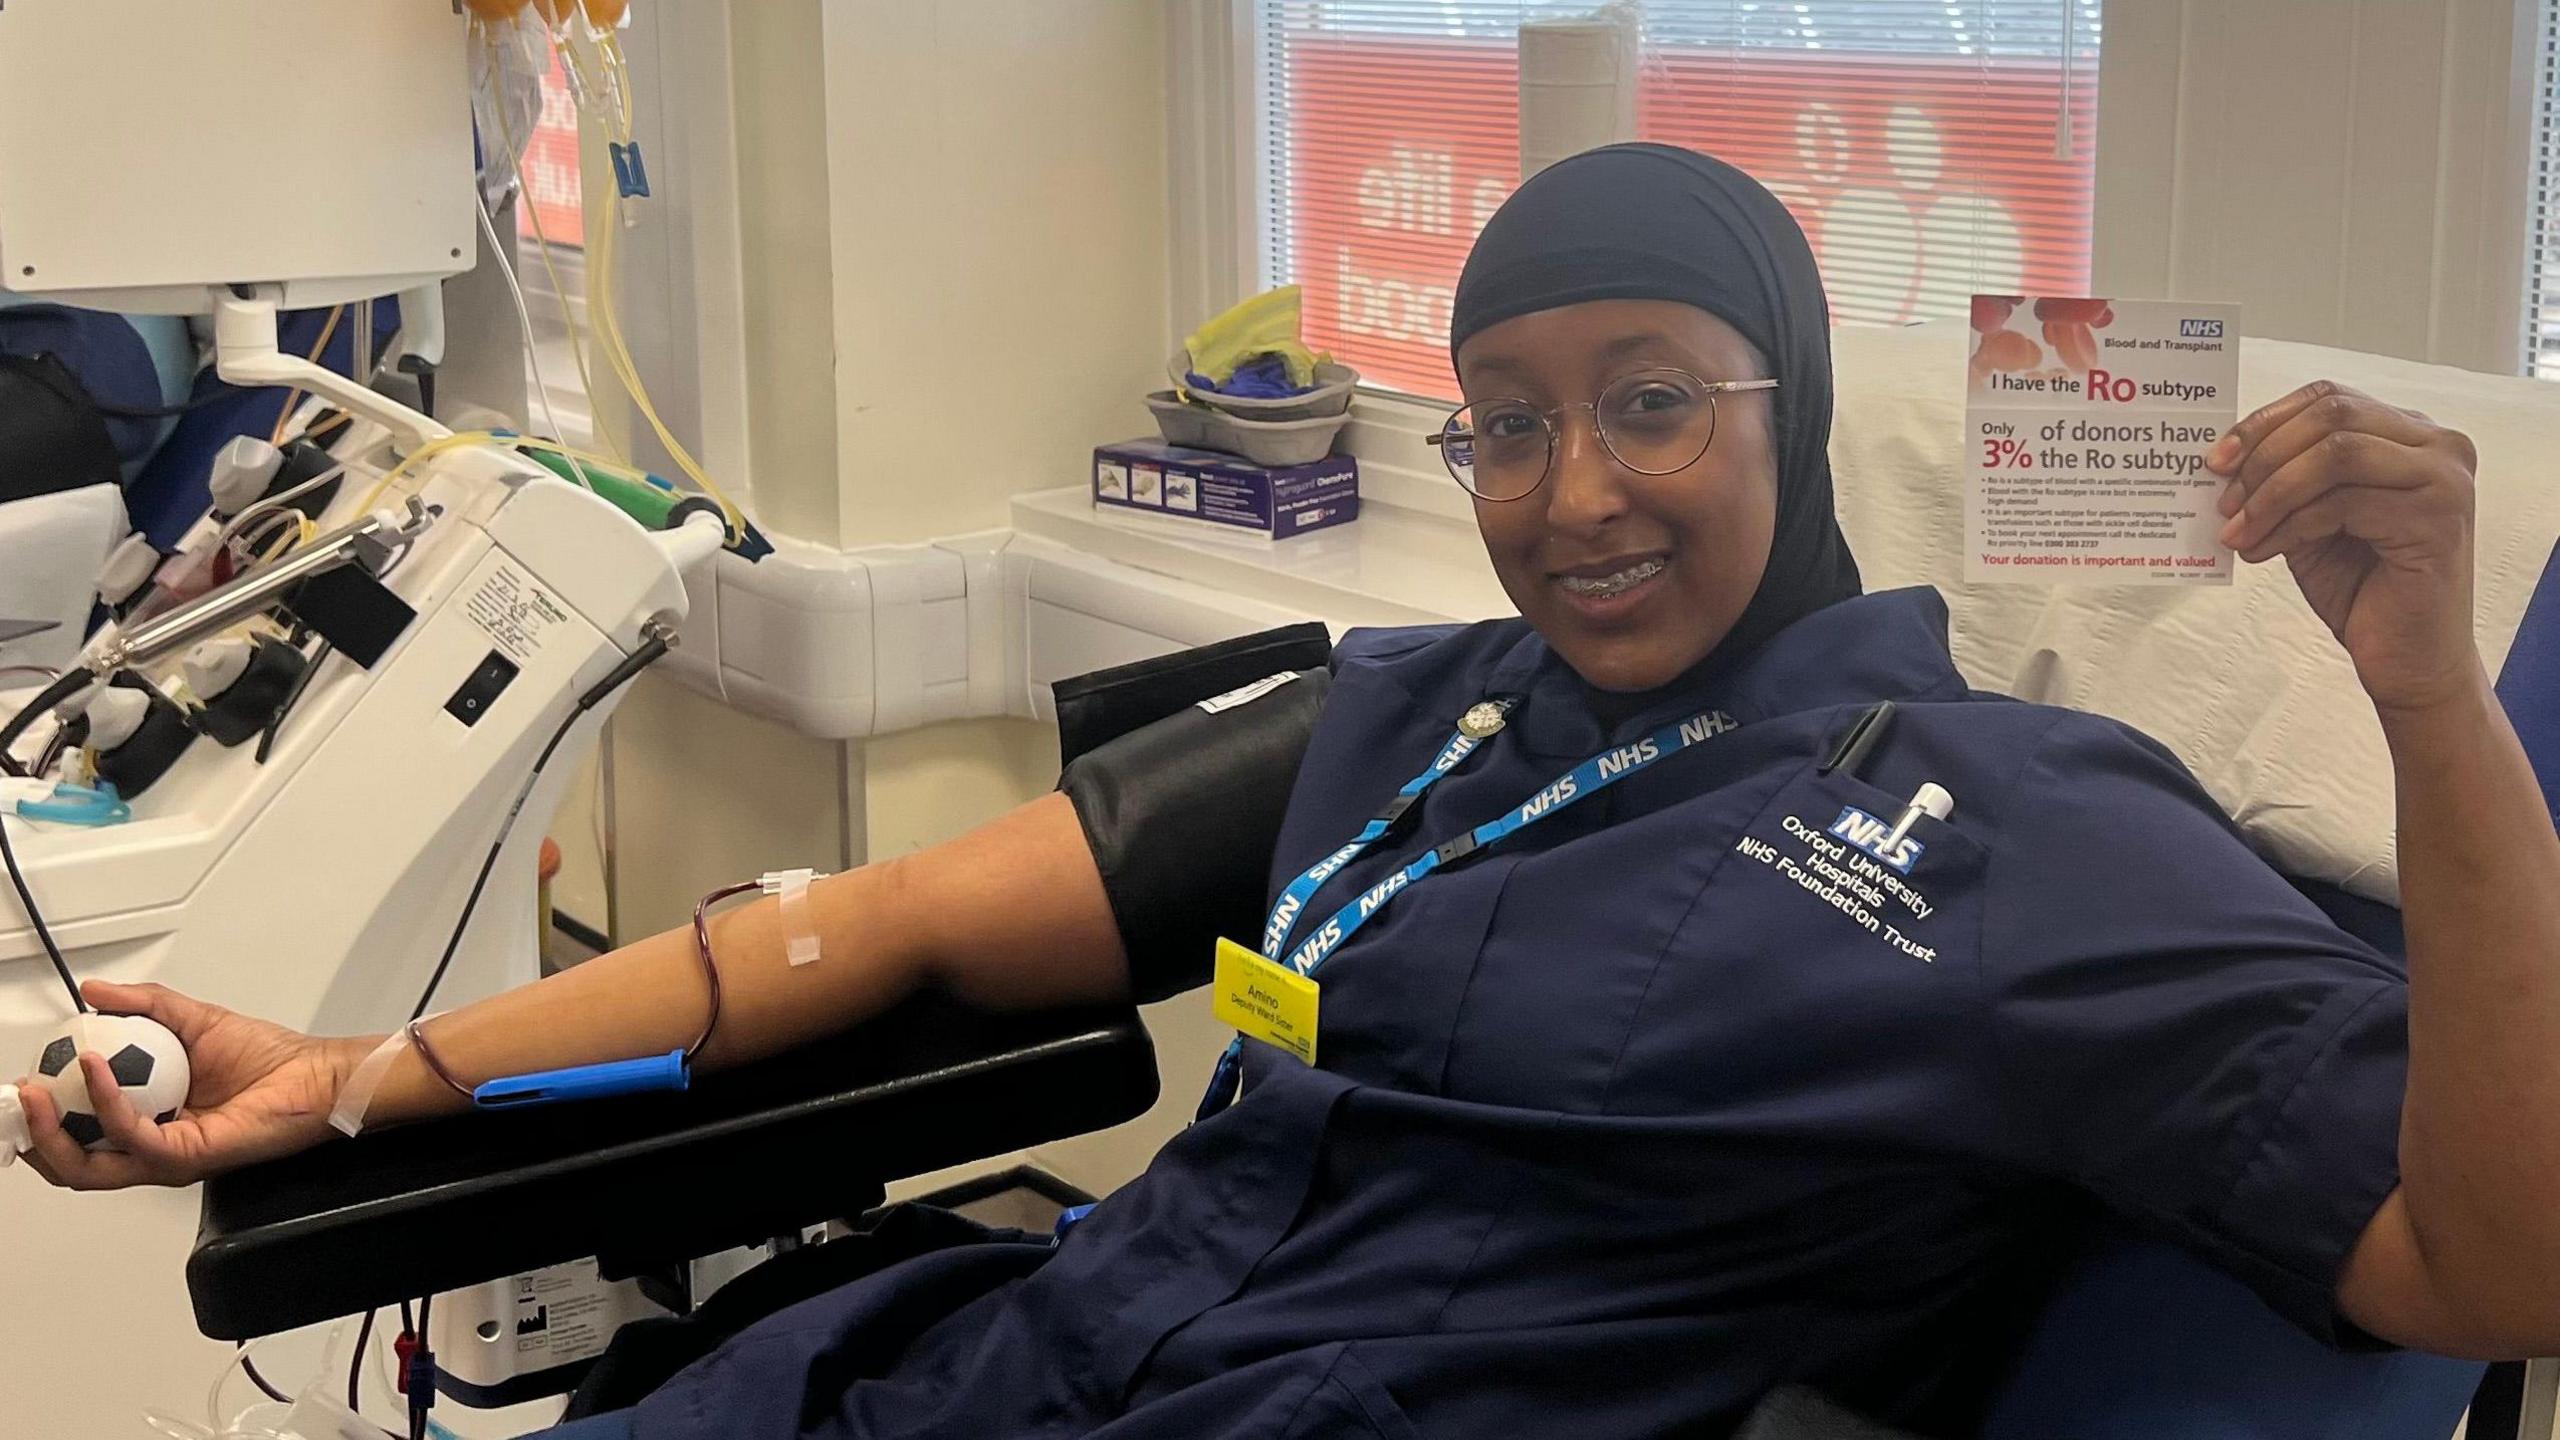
(552, 183)
(1918, 179)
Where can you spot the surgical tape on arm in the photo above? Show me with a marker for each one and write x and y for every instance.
(799, 917)
(347, 1116)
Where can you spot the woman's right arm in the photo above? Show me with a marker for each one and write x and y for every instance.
(1012, 915)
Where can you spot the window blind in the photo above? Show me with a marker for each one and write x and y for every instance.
(1930, 148)
(2542, 246)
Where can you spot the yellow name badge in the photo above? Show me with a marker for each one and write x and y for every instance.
(1265, 1001)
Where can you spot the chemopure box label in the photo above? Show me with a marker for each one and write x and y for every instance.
(1204, 486)
(2086, 427)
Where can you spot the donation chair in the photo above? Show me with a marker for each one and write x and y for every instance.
(2135, 1339)
(2141, 1339)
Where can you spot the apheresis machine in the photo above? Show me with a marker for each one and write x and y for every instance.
(300, 765)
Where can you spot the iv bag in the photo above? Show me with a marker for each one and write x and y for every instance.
(508, 60)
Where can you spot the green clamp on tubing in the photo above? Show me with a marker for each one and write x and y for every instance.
(635, 496)
(652, 502)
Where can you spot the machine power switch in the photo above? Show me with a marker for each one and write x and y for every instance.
(488, 680)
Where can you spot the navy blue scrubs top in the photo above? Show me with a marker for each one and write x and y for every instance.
(1667, 1099)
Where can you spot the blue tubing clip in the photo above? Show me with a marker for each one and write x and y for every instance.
(585, 1082)
(630, 172)
(79, 805)
(1067, 1219)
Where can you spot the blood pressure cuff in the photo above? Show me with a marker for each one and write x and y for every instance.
(1179, 769)
(82, 394)
(52, 437)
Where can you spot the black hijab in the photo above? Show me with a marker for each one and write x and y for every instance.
(1656, 222)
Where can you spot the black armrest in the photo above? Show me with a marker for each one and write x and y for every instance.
(745, 1156)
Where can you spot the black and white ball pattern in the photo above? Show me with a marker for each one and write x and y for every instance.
(147, 1061)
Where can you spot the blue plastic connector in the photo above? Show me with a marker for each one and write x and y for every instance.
(585, 1082)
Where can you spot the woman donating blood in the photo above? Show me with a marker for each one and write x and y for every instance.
(1711, 990)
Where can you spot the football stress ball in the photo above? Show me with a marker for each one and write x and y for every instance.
(147, 1061)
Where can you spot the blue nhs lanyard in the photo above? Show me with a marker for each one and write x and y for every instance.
(1586, 779)
(1293, 899)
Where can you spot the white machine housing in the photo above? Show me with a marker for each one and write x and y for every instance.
(234, 158)
(152, 150)
(318, 889)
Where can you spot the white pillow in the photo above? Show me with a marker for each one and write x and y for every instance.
(50, 549)
(2243, 682)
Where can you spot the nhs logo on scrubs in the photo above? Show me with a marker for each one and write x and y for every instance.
(1868, 833)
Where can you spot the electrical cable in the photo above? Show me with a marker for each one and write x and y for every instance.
(422, 1386)
(650, 651)
(64, 686)
(35, 917)
(53, 749)
(249, 1368)
(355, 1369)
(284, 707)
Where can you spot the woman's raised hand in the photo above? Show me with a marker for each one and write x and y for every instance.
(2371, 507)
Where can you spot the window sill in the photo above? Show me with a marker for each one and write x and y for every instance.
(1392, 566)
(1386, 435)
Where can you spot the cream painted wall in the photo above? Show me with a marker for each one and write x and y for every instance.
(578, 891)
(999, 199)
(787, 277)
(706, 795)
(929, 785)
(1010, 171)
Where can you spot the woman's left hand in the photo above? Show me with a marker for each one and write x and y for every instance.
(2371, 507)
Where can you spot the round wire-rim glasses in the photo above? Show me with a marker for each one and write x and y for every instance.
(1654, 422)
